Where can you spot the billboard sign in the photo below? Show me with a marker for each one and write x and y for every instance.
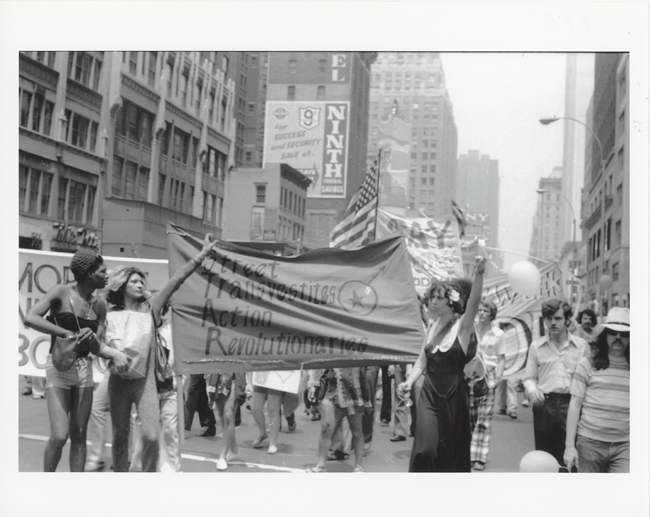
(312, 137)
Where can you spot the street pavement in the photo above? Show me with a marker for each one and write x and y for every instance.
(297, 450)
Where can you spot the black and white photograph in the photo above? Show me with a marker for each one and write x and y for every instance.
(390, 239)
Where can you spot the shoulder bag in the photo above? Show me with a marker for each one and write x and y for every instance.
(163, 370)
(65, 349)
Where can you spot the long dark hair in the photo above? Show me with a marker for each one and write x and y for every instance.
(600, 359)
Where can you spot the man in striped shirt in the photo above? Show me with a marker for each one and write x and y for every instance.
(599, 411)
(551, 362)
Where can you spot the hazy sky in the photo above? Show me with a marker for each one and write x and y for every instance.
(498, 99)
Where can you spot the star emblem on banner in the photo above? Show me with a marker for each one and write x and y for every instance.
(358, 298)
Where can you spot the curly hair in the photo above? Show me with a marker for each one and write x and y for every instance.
(587, 312)
(600, 358)
(456, 291)
(117, 281)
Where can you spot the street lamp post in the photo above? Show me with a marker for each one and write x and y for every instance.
(547, 121)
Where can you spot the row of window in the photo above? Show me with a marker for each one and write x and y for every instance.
(47, 58)
(291, 202)
(129, 181)
(405, 57)
(291, 93)
(85, 69)
(75, 200)
(212, 209)
(135, 123)
(80, 131)
(36, 112)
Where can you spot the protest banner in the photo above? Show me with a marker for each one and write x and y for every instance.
(39, 271)
(244, 310)
(520, 317)
(433, 246)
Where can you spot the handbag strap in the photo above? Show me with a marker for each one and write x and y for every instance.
(74, 311)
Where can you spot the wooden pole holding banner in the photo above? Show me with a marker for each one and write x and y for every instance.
(374, 231)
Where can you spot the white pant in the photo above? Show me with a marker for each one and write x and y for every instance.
(97, 426)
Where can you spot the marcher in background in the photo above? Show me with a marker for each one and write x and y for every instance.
(273, 399)
(226, 391)
(74, 310)
(34, 386)
(134, 312)
(506, 398)
(586, 321)
(442, 435)
(552, 359)
(347, 397)
(599, 411)
(492, 352)
(196, 401)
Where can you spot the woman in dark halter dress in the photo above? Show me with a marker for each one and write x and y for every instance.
(74, 310)
(442, 433)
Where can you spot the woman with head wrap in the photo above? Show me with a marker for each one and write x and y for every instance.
(129, 320)
(74, 310)
(442, 433)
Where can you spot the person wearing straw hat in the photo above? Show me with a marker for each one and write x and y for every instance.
(551, 362)
(599, 411)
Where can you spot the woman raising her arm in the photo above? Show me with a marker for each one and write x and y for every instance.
(442, 434)
(130, 320)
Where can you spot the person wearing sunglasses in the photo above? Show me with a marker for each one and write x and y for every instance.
(552, 359)
(598, 422)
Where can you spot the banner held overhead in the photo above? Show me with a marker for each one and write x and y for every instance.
(245, 310)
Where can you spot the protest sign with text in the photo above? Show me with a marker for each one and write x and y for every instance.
(244, 310)
(433, 246)
(39, 272)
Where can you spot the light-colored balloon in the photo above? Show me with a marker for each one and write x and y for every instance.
(524, 278)
(538, 461)
(605, 282)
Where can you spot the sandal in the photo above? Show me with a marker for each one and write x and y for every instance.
(334, 455)
(316, 469)
(358, 468)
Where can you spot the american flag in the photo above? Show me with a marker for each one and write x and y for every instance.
(358, 224)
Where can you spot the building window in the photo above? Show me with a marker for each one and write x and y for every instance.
(322, 66)
(253, 61)
(133, 63)
(615, 272)
(34, 182)
(143, 183)
(224, 105)
(46, 191)
(224, 64)
(153, 62)
(320, 93)
(291, 93)
(617, 233)
(116, 183)
(76, 196)
(130, 178)
(251, 107)
(219, 212)
(184, 81)
(260, 194)
(62, 196)
(293, 65)
(181, 145)
(161, 188)
(90, 205)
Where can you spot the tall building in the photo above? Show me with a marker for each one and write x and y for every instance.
(313, 107)
(546, 243)
(411, 86)
(477, 192)
(113, 145)
(606, 192)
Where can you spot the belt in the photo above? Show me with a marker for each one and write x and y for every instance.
(557, 396)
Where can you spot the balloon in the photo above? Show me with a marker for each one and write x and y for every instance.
(605, 282)
(538, 461)
(524, 278)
